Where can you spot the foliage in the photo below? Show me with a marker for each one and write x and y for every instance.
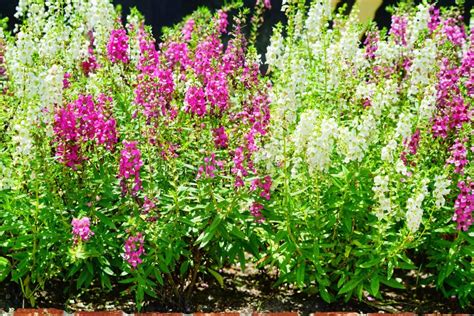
(370, 151)
(124, 162)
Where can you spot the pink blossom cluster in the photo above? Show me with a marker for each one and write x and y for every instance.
(81, 229)
(196, 101)
(371, 44)
(266, 3)
(256, 211)
(66, 82)
(210, 166)
(412, 146)
(464, 205)
(155, 85)
(177, 53)
(117, 47)
(148, 207)
(222, 21)
(434, 21)
(203, 75)
(130, 164)
(458, 156)
(221, 140)
(90, 64)
(454, 32)
(188, 29)
(398, 29)
(264, 185)
(467, 69)
(133, 249)
(80, 122)
(453, 111)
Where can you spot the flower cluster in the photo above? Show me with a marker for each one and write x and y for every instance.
(117, 48)
(210, 166)
(133, 249)
(81, 122)
(81, 229)
(256, 211)
(398, 29)
(130, 164)
(458, 156)
(464, 205)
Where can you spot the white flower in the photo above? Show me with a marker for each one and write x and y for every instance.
(428, 104)
(381, 195)
(414, 212)
(422, 70)
(318, 14)
(321, 145)
(404, 125)
(442, 189)
(22, 139)
(388, 150)
(417, 24)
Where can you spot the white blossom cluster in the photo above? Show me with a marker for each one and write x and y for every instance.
(414, 211)
(382, 196)
(442, 188)
(334, 107)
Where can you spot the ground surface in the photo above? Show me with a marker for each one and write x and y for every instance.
(243, 292)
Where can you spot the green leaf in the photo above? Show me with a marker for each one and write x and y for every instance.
(4, 268)
(107, 221)
(374, 285)
(108, 271)
(349, 286)
(207, 234)
(300, 275)
(393, 284)
(369, 263)
(325, 295)
(218, 277)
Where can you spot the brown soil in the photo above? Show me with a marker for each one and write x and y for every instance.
(243, 292)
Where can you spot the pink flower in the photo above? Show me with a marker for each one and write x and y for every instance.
(196, 101)
(434, 21)
(371, 44)
(266, 3)
(217, 93)
(454, 32)
(188, 29)
(149, 206)
(222, 21)
(210, 166)
(177, 53)
(464, 205)
(133, 249)
(82, 121)
(81, 229)
(266, 186)
(118, 46)
(256, 211)
(458, 156)
(130, 164)
(90, 64)
(398, 29)
(220, 137)
(66, 83)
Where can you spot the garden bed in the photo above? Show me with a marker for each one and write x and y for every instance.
(247, 292)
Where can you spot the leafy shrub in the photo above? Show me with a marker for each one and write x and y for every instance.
(370, 151)
(127, 162)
